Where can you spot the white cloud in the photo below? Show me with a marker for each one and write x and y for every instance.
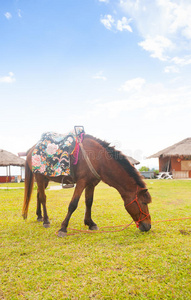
(165, 26)
(178, 15)
(7, 79)
(8, 15)
(182, 61)
(109, 22)
(157, 46)
(100, 76)
(123, 24)
(133, 84)
(106, 1)
(155, 101)
(19, 13)
(171, 69)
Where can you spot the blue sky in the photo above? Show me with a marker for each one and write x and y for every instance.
(121, 68)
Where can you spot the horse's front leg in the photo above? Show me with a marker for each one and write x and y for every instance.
(89, 192)
(72, 207)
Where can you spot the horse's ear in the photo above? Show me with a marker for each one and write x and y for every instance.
(142, 191)
(146, 196)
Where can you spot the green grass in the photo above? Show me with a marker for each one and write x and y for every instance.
(35, 264)
(11, 185)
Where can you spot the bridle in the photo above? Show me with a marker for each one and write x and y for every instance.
(141, 211)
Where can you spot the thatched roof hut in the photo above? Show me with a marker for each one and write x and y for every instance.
(176, 159)
(10, 159)
(178, 149)
(132, 160)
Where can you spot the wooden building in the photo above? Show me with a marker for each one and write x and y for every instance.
(176, 159)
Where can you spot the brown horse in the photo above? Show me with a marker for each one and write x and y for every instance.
(97, 161)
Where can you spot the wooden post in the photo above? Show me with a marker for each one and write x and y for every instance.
(6, 174)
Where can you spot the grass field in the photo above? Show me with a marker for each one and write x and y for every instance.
(36, 264)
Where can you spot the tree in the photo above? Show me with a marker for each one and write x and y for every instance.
(143, 168)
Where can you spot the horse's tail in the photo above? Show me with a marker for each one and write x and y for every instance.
(29, 181)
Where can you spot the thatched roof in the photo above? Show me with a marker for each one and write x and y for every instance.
(181, 148)
(132, 160)
(10, 159)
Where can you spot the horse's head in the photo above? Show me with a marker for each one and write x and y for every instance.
(138, 209)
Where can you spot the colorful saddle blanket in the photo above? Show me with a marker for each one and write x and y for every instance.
(51, 155)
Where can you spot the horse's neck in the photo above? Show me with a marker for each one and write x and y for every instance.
(110, 171)
(118, 178)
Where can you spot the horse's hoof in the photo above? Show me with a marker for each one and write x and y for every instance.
(24, 216)
(40, 219)
(46, 225)
(94, 227)
(61, 233)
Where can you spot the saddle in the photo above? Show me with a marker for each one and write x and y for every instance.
(51, 156)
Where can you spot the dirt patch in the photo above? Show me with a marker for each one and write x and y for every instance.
(185, 232)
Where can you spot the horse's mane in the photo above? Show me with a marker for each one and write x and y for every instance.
(121, 159)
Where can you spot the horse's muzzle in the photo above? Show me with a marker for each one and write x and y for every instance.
(143, 226)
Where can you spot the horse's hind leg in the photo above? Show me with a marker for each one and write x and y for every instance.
(89, 192)
(38, 210)
(41, 199)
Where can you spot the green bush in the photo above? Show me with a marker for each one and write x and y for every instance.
(143, 169)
